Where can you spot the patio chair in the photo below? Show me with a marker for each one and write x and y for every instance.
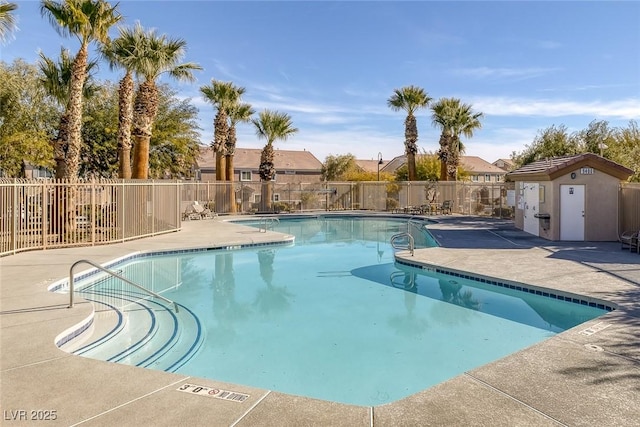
(446, 207)
(629, 239)
(203, 212)
(191, 212)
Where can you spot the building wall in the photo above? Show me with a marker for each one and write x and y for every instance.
(209, 175)
(601, 205)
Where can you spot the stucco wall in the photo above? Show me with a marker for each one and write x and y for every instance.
(601, 205)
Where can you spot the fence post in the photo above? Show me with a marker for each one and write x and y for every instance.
(93, 211)
(153, 206)
(14, 215)
(44, 215)
(121, 210)
(178, 205)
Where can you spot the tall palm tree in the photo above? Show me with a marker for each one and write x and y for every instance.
(223, 96)
(7, 20)
(55, 79)
(89, 21)
(409, 99)
(271, 125)
(454, 118)
(237, 113)
(161, 55)
(125, 52)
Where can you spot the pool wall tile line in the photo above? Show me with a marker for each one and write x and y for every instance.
(63, 284)
(532, 289)
(74, 331)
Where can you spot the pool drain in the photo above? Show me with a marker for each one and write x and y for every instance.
(593, 347)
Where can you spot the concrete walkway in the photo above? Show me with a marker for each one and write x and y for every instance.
(589, 375)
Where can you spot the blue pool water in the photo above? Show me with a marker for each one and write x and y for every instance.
(333, 317)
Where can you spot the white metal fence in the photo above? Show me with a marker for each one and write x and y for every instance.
(467, 198)
(40, 214)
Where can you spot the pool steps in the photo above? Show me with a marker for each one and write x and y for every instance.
(136, 330)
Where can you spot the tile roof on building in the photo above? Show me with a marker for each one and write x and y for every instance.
(474, 164)
(556, 166)
(371, 165)
(477, 165)
(249, 158)
(508, 163)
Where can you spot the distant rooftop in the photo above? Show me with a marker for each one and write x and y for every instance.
(249, 158)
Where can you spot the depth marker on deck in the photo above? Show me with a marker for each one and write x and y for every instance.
(213, 392)
(595, 328)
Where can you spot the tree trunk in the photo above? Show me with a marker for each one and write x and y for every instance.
(140, 168)
(74, 111)
(220, 134)
(144, 113)
(410, 143)
(267, 195)
(60, 146)
(267, 172)
(229, 177)
(220, 166)
(125, 119)
(411, 166)
(443, 171)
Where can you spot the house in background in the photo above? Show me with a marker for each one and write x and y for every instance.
(291, 166)
(374, 166)
(479, 170)
(505, 164)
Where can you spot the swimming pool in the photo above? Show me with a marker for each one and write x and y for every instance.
(334, 317)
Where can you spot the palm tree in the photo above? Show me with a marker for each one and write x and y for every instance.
(55, 79)
(409, 99)
(125, 52)
(223, 96)
(270, 125)
(89, 21)
(454, 119)
(7, 20)
(160, 55)
(237, 113)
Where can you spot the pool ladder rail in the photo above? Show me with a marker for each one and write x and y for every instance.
(403, 241)
(117, 276)
(267, 223)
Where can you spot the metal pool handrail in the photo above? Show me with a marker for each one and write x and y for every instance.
(116, 275)
(410, 242)
(268, 222)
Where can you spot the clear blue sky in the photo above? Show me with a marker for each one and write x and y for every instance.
(333, 65)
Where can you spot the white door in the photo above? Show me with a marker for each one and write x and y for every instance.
(531, 202)
(572, 212)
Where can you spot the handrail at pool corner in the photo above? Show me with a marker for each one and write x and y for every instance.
(116, 275)
(410, 241)
(267, 221)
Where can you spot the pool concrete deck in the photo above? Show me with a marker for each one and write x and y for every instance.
(588, 375)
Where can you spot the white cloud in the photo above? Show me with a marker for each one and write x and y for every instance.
(504, 73)
(503, 106)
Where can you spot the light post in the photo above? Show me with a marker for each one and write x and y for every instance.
(379, 163)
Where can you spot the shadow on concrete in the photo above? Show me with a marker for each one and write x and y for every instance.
(482, 233)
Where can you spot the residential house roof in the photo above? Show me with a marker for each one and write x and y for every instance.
(475, 165)
(394, 164)
(249, 159)
(371, 165)
(507, 164)
(549, 169)
(478, 166)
